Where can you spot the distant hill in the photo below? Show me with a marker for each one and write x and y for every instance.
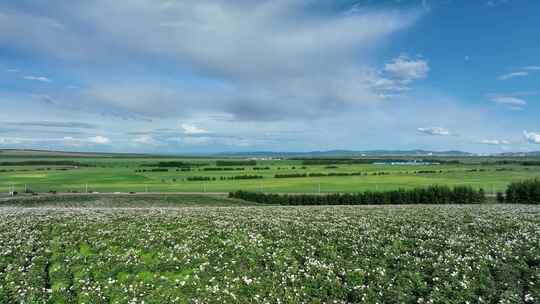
(263, 154)
(521, 154)
(348, 153)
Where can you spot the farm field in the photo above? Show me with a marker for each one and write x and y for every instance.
(91, 251)
(141, 174)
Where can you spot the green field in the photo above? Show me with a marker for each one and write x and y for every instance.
(189, 250)
(118, 174)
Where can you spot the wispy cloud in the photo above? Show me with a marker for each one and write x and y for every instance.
(145, 140)
(263, 55)
(494, 3)
(532, 68)
(494, 142)
(511, 102)
(37, 78)
(435, 131)
(513, 75)
(53, 124)
(191, 129)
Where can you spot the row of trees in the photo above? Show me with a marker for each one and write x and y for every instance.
(223, 163)
(330, 174)
(152, 170)
(341, 161)
(428, 195)
(522, 192)
(223, 178)
(172, 164)
(223, 169)
(239, 177)
(45, 163)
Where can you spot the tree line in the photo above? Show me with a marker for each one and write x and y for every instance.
(173, 164)
(348, 161)
(224, 163)
(521, 192)
(223, 178)
(429, 195)
(223, 169)
(45, 163)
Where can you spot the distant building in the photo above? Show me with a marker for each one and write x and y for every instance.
(407, 163)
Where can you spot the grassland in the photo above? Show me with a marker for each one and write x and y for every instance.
(119, 174)
(95, 253)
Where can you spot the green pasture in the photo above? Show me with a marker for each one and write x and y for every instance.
(118, 174)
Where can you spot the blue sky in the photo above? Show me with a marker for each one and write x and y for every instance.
(284, 75)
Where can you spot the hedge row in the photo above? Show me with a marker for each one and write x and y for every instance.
(428, 195)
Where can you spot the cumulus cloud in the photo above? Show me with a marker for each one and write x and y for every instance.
(37, 78)
(494, 142)
(100, 140)
(435, 131)
(191, 129)
(532, 137)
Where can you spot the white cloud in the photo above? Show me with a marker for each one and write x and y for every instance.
(191, 129)
(512, 102)
(261, 54)
(532, 137)
(37, 78)
(395, 77)
(532, 68)
(12, 70)
(196, 141)
(9, 141)
(438, 131)
(145, 140)
(100, 140)
(513, 74)
(406, 69)
(494, 142)
(493, 3)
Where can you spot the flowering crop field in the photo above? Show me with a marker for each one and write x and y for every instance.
(354, 254)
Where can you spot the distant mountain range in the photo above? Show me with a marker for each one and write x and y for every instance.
(350, 153)
(262, 154)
